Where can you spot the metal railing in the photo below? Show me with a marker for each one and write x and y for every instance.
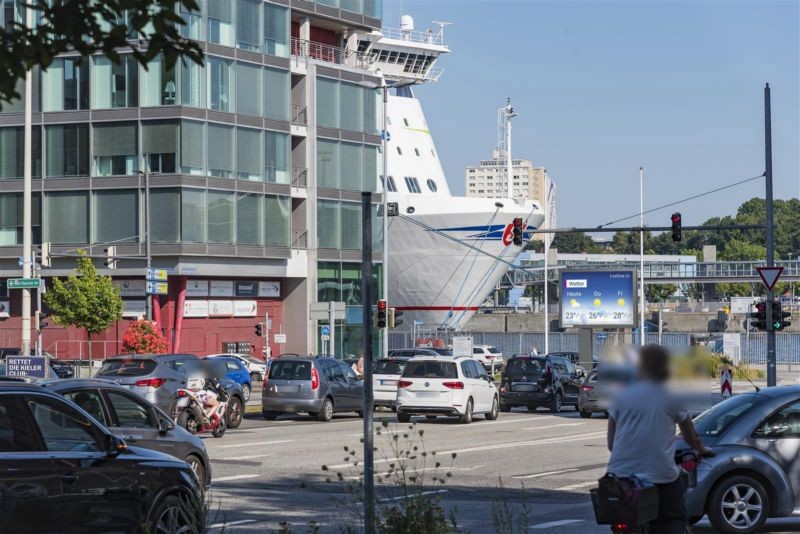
(426, 37)
(302, 48)
(299, 177)
(300, 239)
(300, 115)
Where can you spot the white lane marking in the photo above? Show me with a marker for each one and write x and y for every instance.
(251, 457)
(440, 468)
(232, 523)
(546, 441)
(254, 443)
(559, 523)
(550, 426)
(234, 477)
(577, 486)
(383, 431)
(545, 474)
(423, 493)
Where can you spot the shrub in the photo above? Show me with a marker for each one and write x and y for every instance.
(143, 337)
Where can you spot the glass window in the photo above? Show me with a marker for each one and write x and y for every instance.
(413, 185)
(467, 369)
(68, 150)
(277, 157)
(430, 369)
(276, 93)
(717, 419)
(220, 151)
(332, 3)
(327, 163)
(193, 216)
(432, 185)
(12, 152)
(248, 89)
(249, 219)
(278, 215)
(160, 145)
(220, 77)
(158, 87)
(276, 30)
(371, 169)
(90, 401)
(193, 29)
(11, 220)
(351, 226)
(220, 216)
(131, 412)
(115, 149)
(352, 166)
(19, 103)
(328, 281)
(248, 154)
(328, 233)
(248, 24)
(220, 22)
(373, 8)
(377, 228)
(328, 102)
(352, 107)
(116, 216)
(192, 148)
(18, 436)
(351, 283)
(392, 187)
(355, 6)
(63, 428)
(165, 209)
(66, 84)
(67, 216)
(115, 85)
(783, 424)
(372, 99)
(193, 85)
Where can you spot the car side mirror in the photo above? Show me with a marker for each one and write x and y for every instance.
(165, 426)
(114, 445)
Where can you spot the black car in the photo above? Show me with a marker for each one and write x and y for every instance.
(61, 471)
(533, 381)
(62, 369)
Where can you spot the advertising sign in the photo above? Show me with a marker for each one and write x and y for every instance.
(134, 308)
(195, 308)
(26, 366)
(462, 346)
(220, 308)
(244, 308)
(130, 288)
(221, 288)
(5, 308)
(269, 289)
(197, 288)
(601, 299)
(246, 289)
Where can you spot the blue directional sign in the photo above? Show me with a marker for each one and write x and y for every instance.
(386, 136)
(325, 330)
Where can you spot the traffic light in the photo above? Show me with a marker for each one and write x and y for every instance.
(676, 227)
(111, 261)
(759, 318)
(380, 317)
(778, 316)
(517, 231)
(259, 329)
(392, 209)
(46, 261)
(394, 318)
(39, 321)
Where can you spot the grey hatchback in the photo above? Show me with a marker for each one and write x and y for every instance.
(135, 420)
(319, 386)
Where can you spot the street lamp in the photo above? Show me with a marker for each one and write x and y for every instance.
(146, 174)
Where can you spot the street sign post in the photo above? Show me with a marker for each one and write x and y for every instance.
(769, 275)
(156, 288)
(24, 283)
(156, 275)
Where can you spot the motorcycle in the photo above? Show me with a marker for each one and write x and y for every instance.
(190, 414)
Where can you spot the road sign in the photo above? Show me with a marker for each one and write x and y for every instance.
(601, 335)
(156, 275)
(325, 330)
(319, 311)
(24, 283)
(280, 338)
(26, 366)
(386, 136)
(156, 288)
(769, 275)
(326, 338)
(462, 346)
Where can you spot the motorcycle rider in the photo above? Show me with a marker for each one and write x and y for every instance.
(202, 390)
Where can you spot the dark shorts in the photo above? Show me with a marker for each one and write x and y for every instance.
(671, 508)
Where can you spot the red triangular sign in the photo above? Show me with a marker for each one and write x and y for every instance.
(769, 275)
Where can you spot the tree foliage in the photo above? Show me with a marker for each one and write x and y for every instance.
(659, 292)
(88, 27)
(575, 243)
(85, 300)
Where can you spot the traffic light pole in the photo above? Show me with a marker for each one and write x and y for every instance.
(366, 310)
(771, 363)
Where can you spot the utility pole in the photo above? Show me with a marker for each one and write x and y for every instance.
(385, 257)
(366, 310)
(643, 300)
(149, 297)
(771, 371)
(27, 231)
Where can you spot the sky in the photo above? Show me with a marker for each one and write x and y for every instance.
(604, 87)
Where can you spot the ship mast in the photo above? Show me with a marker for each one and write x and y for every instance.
(504, 116)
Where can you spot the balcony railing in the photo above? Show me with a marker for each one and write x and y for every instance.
(300, 115)
(299, 177)
(426, 37)
(330, 54)
(299, 239)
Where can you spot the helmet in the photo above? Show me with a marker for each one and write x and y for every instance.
(195, 383)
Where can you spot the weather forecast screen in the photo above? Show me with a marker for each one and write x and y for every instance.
(598, 298)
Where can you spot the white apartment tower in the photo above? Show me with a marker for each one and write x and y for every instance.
(489, 179)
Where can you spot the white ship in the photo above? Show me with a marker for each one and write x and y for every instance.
(446, 253)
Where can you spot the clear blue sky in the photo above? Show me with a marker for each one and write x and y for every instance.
(603, 87)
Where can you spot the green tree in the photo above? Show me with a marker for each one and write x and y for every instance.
(88, 27)
(741, 250)
(659, 292)
(575, 243)
(736, 289)
(628, 242)
(86, 300)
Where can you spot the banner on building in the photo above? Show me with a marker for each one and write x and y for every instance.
(221, 288)
(244, 308)
(195, 308)
(220, 308)
(245, 288)
(130, 288)
(197, 288)
(269, 289)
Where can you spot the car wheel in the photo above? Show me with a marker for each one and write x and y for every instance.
(466, 418)
(171, 516)
(403, 417)
(235, 412)
(255, 377)
(246, 392)
(325, 413)
(505, 408)
(270, 416)
(585, 413)
(739, 504)
(197, 466)
(492, 415)
(555, 406)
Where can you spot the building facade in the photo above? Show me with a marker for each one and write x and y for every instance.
(489, 179)
(255, 161)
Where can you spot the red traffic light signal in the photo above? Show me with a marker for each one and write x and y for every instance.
(380, 317)
(759, 318)
(517, 231)
(676, 227)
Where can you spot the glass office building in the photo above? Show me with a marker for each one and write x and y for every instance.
(255, 159)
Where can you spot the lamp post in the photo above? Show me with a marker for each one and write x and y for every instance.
(148, 257)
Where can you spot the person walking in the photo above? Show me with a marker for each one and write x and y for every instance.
(641, 438)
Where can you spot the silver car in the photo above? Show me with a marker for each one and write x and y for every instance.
(755, 473)
(599, 388)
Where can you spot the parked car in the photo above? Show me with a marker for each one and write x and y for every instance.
(157, 378)
(756, 438)
(534, 381)
(488, 356)
(135, 420)
(256, 366)
(410, 353)
(319, 386)
(62, 471)
(385, 374)
(445, 385)
(237, 371)
(598, 389)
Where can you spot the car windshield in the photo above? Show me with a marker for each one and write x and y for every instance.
(519, 367)
(255, 361)
(127, 367)
(389, 367)
(290, 370)
(717, 419)
(430, 369)
(494, 350)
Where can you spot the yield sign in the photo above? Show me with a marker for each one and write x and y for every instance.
(769, 275)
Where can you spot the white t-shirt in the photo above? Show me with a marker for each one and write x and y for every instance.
(644, 441)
